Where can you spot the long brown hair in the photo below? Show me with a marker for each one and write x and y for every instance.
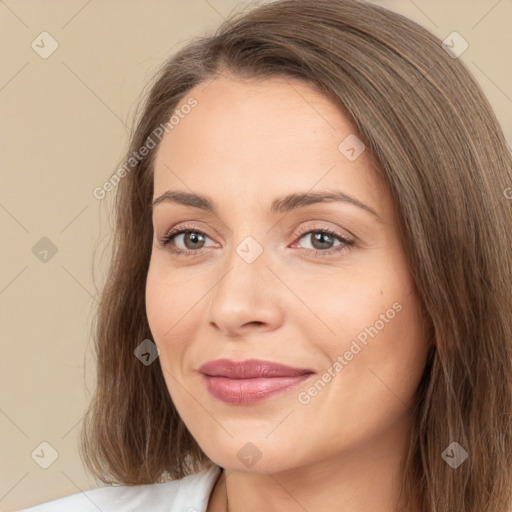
(439, 147)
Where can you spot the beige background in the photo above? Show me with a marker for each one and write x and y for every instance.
(63, 130)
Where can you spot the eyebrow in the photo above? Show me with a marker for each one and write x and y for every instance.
(280, 205)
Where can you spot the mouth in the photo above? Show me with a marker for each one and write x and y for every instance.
(250, 382)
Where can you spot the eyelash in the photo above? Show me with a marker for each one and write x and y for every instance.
(344, 246)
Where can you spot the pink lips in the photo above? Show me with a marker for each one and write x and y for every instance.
(249, 382)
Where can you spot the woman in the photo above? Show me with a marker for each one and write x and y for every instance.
(308, 305)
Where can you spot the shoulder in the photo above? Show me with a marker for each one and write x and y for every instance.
(189, 494)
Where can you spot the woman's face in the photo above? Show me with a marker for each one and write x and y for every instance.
(260, 278)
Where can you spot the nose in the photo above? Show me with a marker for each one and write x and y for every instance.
(247, 297)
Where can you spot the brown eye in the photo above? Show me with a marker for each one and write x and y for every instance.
(323, 241)
(187, 240)
(191, 239)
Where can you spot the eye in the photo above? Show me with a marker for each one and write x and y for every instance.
(322, 240)
(193, 239)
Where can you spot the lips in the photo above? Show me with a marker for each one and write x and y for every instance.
(251, 381)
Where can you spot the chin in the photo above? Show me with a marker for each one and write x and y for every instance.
(249, 457)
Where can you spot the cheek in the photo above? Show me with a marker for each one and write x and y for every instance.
(373, 321)
(382, 351)
(166, 308)
(162, 314)
(346, 306)
(173, 307)
(158, 302)
(377, 365)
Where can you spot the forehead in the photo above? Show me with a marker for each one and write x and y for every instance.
(259, 136)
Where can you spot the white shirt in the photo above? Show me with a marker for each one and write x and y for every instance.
(190, 494)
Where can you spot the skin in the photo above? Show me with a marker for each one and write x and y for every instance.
(246, 143)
